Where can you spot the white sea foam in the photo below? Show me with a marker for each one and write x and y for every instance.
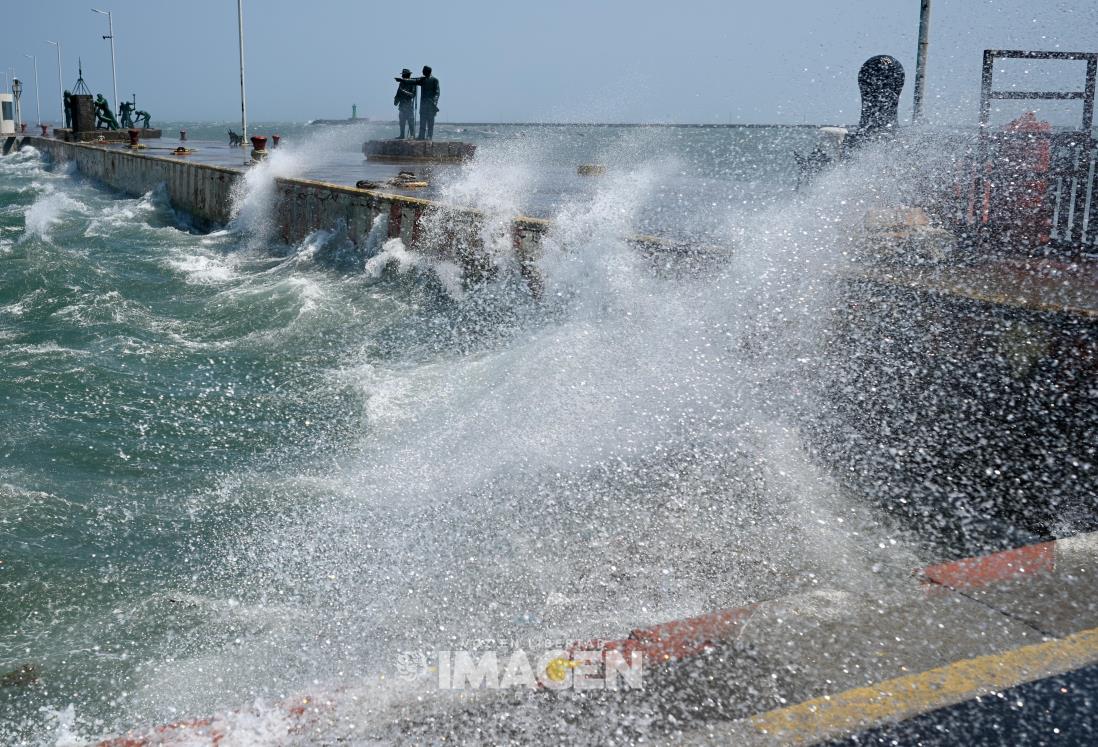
(394, 254)
(203, 269)
(47, 213)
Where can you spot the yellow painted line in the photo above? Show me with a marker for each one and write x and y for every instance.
(903, 697)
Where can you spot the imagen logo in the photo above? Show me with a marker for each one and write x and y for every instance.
(552, 670)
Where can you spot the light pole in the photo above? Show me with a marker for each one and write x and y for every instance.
(243, 98)
(60, 84)
(110, 28)
(37, 97)
(920, 60)
(17, 92)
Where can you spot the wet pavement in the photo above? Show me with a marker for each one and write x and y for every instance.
(1058, 710)
(332, 166)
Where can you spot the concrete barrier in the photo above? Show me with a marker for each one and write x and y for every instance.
(302, 206)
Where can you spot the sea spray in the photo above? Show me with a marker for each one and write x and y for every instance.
(299, 474)
(622, 455)
(254, 196)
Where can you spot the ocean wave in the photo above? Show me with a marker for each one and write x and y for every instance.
(203, 269)
(48, 211)
(394, 254)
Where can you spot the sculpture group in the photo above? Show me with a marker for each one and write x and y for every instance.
(405, 101)
(130, 115)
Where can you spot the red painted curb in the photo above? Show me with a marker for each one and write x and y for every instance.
(678, 639)
(202, 731)
(973, 573)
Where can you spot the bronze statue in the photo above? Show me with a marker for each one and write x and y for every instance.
(103, 114)
(125, 112)
(68, 110)
(428, 102)
(405, 101)
(141, 115)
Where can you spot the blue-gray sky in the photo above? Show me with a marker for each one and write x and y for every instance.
(519, 60)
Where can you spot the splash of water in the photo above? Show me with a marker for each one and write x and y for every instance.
(622, 455)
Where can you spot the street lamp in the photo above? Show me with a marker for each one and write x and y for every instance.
(17, 91)
(243, 100)
(60, 85)
(37, 97)
(110, 35)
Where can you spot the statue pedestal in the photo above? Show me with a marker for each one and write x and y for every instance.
(421, 151)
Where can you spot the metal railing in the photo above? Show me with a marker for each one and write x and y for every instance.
(1036, 188)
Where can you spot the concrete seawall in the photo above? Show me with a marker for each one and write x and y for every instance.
(302, 206)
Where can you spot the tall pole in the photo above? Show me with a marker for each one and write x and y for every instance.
(37, 97)
(243, 98)
(60, 83)
(920, 60)
(110, 31)
(17, 92)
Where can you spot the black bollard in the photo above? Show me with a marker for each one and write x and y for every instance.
(880, 80)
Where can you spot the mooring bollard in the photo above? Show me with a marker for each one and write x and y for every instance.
(182, 135)
(275, 140)
(135, 135)
(259, 147)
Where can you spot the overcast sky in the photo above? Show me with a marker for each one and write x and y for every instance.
(520, 60)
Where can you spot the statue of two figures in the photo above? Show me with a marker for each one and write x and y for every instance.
(131, 115)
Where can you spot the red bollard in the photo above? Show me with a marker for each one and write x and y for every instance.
(259, 147)
(182, 135)
(135, 135)
(275, 140)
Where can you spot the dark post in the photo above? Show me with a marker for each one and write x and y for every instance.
(83, 113)
(881, 80)
(920, 61)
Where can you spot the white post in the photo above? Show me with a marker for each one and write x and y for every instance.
(17, 92)
(60, 83)
(920, 61)
(114, 68)
(37, 97)
(243, 98)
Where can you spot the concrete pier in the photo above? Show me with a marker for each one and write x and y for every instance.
(106, 136)
(301, 206)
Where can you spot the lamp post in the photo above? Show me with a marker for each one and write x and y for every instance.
(920, 60)
(243, 98)
(17, 92)
(60, 85)
(110, 35)
(37, 96)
